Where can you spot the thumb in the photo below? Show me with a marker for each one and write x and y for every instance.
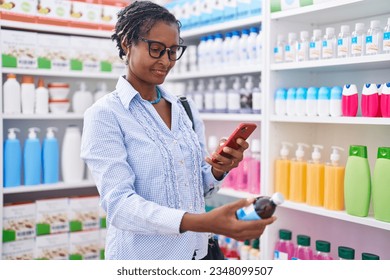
(242, 203)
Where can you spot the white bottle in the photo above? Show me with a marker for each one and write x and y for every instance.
(246, 95)
(208, 53)
(311, 101)
(217, 50)
(386, 37)
(279, 49)
(192, 58)
(329, 44)
(220, 97)
(234, 50)
(27, 92)
(315, 46)
(226, 48)
(300, 102)
(358, 40)
(102, 91)
(259, 47)
(374, 38)
(251, 47)
(12, 102)
(209, 97)
(200, 53)
(199, 95)
(41, 98)
(280, 102)
(72, 166)
(257, 99)
(290, 102)
(323, 104)
(344, 42)
(335, 108)
(302, 46)
(190, 89)
(290, 48)
(82, 99)
(234, 96)
(243, 47)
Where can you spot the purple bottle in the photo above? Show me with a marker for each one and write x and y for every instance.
(303, 250)
(284, 247)
(323, 250)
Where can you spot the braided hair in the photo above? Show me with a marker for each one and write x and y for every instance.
(136, 20)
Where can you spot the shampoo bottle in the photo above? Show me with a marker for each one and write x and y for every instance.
(50, 157)
(335, 109)
(284, 247)
(209, 102)
(11, 95)
(27, 93)
(322, 250)
(290, 102)
(350, 100)
(12, 159)
(220, 97)
(254, 167)
(32, 158)
(282, 171)
(323, 103)
(41, 98)
(334, 182)
(311, 102)
(303, 250)
(298, 173)
(280, 102)
(357, 182)
(72, 166)
(315, 178)
(380, 185)
(385, 100)
(370, 100)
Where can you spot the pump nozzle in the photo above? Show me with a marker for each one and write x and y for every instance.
(284, 151)
(249, 82)
(83, 86)
(222, 84)
(201, 85)
(11, 132)
(236, 83)
(300, 152)
(335, 155)
(316, 155)
(211, 85)
(32, 132)
(50, 132)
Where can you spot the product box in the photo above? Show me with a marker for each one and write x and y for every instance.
(217, 11)
(108, 55)
(19, 10)
(18, 222)
(84, 213)
(103, 234)
(230, 11)
(84, 14)
(84, 245)
(108, 16)
(256, 8)
(19, 49)
(52, 216)
(52, 247)
(244, 8)
(284, 5)
(19, 250)
(53, 52)
(84, 54)
(55, 12)
(206, 10)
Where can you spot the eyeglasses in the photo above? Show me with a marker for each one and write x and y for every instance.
(158, 49)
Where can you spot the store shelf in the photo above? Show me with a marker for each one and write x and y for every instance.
(54, 29)
(340, 215)
(234, 193)
(66, 116)
(231, 117)
(66, 74)
(49, 187)
(332, 120)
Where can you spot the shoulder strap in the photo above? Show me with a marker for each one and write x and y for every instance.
(186, 106)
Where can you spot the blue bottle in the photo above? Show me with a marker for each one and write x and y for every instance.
(12, 159)
(32, 158)
(50, 157)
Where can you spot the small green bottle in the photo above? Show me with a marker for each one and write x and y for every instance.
(369, 256)
(357, 182)
(380, 185)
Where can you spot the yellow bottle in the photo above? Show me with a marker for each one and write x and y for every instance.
(298, 172)
(334, 182)
(315, 179)
(282, 171)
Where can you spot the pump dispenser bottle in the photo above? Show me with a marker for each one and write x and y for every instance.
(246, 96)
(298, 174)
(234, 96)
(12, 159)
(380, 185)
(282, 171)
(334, 182)
(220, 97)
(32, 158)
(209, 101)
(50, 157)
(315, 178)
(256, 99)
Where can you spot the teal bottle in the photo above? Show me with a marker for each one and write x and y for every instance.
(50, 157)
(357, 182)
(12, 160)
(381, 186)
(32, 158)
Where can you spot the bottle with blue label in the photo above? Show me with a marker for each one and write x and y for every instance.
(50, 157)
(323, 104)
(12, 159)
(386, 37)
(374, 38)
(311, 101)
(262, 208)
(32, 158)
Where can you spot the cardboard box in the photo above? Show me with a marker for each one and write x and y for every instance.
(84, 245)
(84, 213)
(103, 234)
(52, 247)
(19, 10)
(19, 250)
(84, 54)
(18, 222)
(53, 52)
(56, 12)
(52, 216)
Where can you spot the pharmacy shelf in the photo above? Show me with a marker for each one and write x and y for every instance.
(49, 187)
(234, 193)
(380, 61)
(231, 117)
(331, 120)
(334, 11)
(54, 29)
(66, 116)
(340, 215)
(66, 74)
(219, 27)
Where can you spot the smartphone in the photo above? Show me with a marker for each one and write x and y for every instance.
(243, 130)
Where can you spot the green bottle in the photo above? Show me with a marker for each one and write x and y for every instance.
(357, 182)
(380, 185)
(369, 256)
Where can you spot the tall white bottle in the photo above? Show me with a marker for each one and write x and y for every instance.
(252, 53)
(358, 40)
(234, 96)
(209, 97)
(243, 47)
(72, 166)
(259, 46)
(82, 99)
(41, 98)
(315, 46)
(329, 44)
(199, 95)
(27, 93)
(302, 46)
(220, 97)
(11, 95)
(257, 99)
(386, 37)
(374, 38)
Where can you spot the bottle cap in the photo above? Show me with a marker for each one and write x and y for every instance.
(27, 80)
(336, 93)
(277, 198)
(291, 93)
(284, 151)
(369, 89)
(11, 76)
(375, 24)
(256, 244)
(32, 132)
(303, 240)
(285, 234)
(349, 89)
(384, 152)
(292, 36)
(281, 94)
(312, 93)
(300, 152)
(369, 256)
(345, 28)
(317, 32)
(324, 93)
(335, 156)
(386, 89)
(50, 132)
(11, 132)
(255, 146)
(346, 253)
(358, 151)
(316, 154)
(247, 242)
(304, 34)
(41, 83)
(329, 31)
(323, 246)
(359, 26)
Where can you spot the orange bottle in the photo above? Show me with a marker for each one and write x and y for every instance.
(282, 171)
(334, 182)
(298, 171)
(315, 179)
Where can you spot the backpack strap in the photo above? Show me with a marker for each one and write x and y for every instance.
(186, 106)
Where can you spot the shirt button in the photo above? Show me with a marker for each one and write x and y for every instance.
(182, 162)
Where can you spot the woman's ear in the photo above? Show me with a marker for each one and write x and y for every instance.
(125, 47)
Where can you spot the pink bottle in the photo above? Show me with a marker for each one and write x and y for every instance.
(303, 250)
(350, 100)
(254, 168)
(370, 100)
(385, 100)
(323, 250)
(242, 174)
(379, 87)
(284, 247)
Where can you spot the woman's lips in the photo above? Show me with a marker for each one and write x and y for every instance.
(160, 72)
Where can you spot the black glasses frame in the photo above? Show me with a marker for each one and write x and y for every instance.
(150, 42)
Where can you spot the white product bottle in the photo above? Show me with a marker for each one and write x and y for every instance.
(82, 99)
(257, 99)
(358, 40)
(290, 48)
(300, 102)
(199, 95)
(208, 53)
(290, 102)
(27, 93)
(41, 98)
(246, 96)
(72, 166)
(311, 102)
(315, 46)
(190, 88)
(220, 97)
(234, 53)
(251, 47)
(226, 48)
(279, 49)
(280, 102)
(209, 102)
(335, 101)
(329, 44)
(302, 46)
(386, 37)
(374, 38)
(192, 58)
(323, 104)
(243, 47)
(234, 96)
(12, 102)
(259, 47)
(200, 53)
(102, 91)
(344, 42)
(217, 50)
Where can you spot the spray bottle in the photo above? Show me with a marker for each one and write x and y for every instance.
(12, 159)
(234, 96)
(32, 158)
(315, 178)
(298, 173)
(220, 97)
(50, 157)
(282, 171)
(334, 181)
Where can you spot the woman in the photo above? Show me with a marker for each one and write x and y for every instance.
(150, 167)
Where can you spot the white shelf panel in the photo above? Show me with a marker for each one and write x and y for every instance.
(332, 120)
(340, 215)
(219, 27)
(49, 187)
(234, 193)
(55, 29)
(334, 11)
(67, 74)
(231, 117)
(379, 61)
(66, 116)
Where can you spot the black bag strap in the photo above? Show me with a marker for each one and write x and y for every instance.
(186, 106)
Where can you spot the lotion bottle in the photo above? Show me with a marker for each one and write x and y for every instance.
(82, 99)
(298, 175)
(380, 185)
(12, 159)
(41, 98)
(11, 95)
(350, 100)
(282, 171)
(32, 158)
(315, 178)
(334, 181)
(50, 157)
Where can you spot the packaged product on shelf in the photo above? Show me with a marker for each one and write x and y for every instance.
(334, 181)
(84, 245)
(315, 178)
(18, 221)
(329, 44)
(323, 103)
(84, 213)
(52, 216)
(11, 95)
(335, 109)
(84, 14)
(380, 185)
(18, 250)
(298, 173)
(82, 99)
(19, 49)
(32, 158)
(72, 166)
(370, 102)
(374, 38)
(12, 159)
(41, 98)
(27, 94)
(84, 54)
(385, 100)
(53, 12)
(303, 251)
(102, 243)
(217, 14)
(358, 39)
(108, 14)
(102, 218)
(300, 102)
(52, 247)
(230, 11)
(350, 100)
(19, 10)
(53, 52)
(386, 37)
